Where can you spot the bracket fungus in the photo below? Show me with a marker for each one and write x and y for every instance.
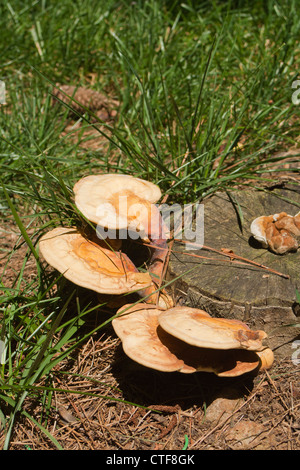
(198, 328)
(266, 357)
(89, 264)
(176, 345)
(153, 333)
(118, 202)
(278, 232)
(115, 202)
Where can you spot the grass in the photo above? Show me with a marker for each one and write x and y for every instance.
(205, 92)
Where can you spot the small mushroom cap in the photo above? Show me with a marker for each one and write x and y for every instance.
(193, 327)
(258, 229)
(145, 342)
(89, 264)
(115, 201)
(288, 223)
(266, 357)
(281, 241)
(297, 220)
(277, 232)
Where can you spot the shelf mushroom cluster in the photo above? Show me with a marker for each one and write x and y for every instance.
(279, 232)
(117, 204)
(153, 331)
(185, 339)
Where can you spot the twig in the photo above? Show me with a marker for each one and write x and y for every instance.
(166, 263)
(277, 391)
(230, 254)
(171, 425)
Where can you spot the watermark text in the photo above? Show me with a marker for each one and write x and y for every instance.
(156, 222)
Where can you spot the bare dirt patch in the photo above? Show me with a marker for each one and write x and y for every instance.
(13, 251)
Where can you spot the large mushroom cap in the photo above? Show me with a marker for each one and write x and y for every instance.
(145, 341)
(137, 329)
(116, 201)
(192, 326)
(89, 264)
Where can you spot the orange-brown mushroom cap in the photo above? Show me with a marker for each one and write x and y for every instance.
(89, 264)
(145, 342)
(117, 201)
(289, 224)
(280, 241)
(137, 329)
(194, 327)
(297, 220)
(266, 357)
(258, 229)
(277, 232)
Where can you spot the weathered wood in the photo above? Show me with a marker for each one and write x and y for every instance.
(226, 289)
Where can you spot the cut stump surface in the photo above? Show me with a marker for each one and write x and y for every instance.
(224, 288)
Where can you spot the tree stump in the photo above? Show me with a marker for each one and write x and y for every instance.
(226, 288)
